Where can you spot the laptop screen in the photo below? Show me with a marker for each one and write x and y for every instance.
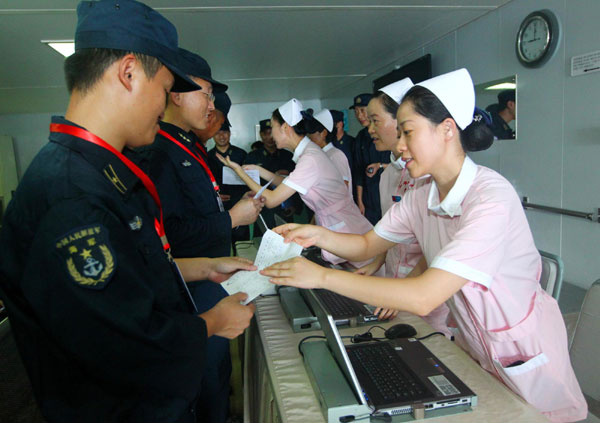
(334, 341)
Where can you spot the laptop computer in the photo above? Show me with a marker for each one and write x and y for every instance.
(345, 311)
(399, 376)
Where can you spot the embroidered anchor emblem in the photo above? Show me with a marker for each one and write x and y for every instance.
(92, 267)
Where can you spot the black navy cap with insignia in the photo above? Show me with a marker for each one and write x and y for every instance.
(131, 26)
(265, 124)
(88, 257)
(337, 116)
(194, 65)
(361, 100)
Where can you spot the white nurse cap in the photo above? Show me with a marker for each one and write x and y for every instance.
(455, 91)
(325, 118)
(291, 112)
(397, 89)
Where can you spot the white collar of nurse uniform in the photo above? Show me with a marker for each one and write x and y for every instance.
(451, 204)
(398, 163)
(328, 147)
(455, 91)
(300, 149)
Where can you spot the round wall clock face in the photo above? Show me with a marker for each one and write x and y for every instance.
(537, 38)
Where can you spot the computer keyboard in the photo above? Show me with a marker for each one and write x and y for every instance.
(340, 307)
(391, 378)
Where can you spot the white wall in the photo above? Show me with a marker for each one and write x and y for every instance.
(554, 161)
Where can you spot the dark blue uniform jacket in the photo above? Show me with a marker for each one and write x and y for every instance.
(194, 223)
(365, 154)
(97, 312)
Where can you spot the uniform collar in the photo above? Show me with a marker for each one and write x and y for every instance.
(100, 158)
(328, 147)
(397, 163)
(300, 149)
(451, 206)
(175, 131)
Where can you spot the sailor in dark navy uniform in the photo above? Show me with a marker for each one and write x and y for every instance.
(104, 324)
(276, 161)
(230, 194)
(502, 114)
(365, 154)
(196, 221)
(343, 141)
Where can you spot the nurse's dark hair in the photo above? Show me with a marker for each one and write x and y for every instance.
(475, 137)
(387, 102)
(316, 126)
(301, 128)
(85, 67)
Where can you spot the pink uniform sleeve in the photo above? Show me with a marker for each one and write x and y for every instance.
(476, 250)
(304, 176)
(398, 223)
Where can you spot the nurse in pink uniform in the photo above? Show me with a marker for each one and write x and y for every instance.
(394, 184)
(318, 182)
(480, 257)
(322, 135)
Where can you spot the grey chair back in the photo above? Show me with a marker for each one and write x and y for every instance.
(585, 348)
(552, 274)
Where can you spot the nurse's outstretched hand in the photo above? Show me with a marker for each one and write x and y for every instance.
(298, 272)
(303, 235)
(228, 162)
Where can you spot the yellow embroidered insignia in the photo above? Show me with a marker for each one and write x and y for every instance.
(89, 259)
(358, 100)
(112, 176)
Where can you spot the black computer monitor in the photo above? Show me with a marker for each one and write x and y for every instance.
(417, 70)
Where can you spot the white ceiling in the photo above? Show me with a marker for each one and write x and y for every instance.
(264, 50)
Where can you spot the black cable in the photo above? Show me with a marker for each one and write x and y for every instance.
(431, 334)
(304, 339)
(376, 326)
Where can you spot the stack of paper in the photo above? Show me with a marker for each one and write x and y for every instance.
(272, 250)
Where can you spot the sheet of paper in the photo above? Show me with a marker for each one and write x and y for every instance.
(260, 191)
(231, 178)
(272, 250)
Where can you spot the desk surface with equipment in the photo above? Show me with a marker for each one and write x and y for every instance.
(277, 387)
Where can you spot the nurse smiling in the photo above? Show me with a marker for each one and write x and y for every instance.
(479, 254)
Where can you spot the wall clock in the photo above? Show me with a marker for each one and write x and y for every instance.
(537, 38)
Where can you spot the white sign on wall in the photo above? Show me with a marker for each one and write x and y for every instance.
(586, 63)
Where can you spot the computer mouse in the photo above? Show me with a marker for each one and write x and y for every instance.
(401, 330)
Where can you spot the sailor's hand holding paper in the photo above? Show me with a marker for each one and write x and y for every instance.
(223, 268)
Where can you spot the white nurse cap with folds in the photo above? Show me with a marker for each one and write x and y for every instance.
(291, 112)
(397, 89)
(455, 91)
(325, 118)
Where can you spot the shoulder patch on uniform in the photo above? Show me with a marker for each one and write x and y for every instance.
(88, 256)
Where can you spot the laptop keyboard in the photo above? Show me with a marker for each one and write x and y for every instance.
(340, 307)
(391, 378)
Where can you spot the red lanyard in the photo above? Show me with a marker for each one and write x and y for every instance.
(88, 136)
(197, 158)
(202, 149)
